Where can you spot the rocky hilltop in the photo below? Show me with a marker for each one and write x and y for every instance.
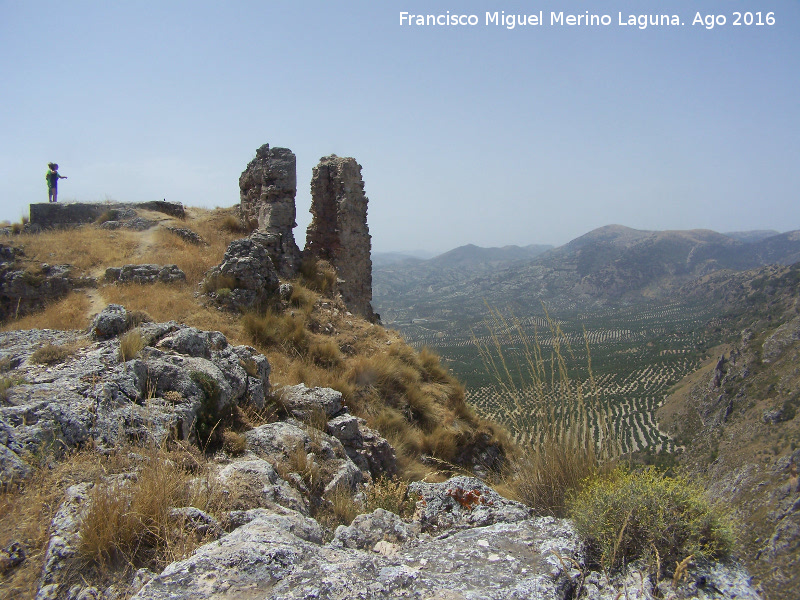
(200, 410)
(463, 540)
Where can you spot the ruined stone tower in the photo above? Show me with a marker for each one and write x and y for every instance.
(267, 189)
(338, 231)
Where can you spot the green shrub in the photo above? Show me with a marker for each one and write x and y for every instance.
(208, 417)
(626, 516)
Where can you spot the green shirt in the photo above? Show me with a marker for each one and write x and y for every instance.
(52, 178)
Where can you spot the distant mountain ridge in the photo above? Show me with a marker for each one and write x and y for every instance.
(613, 263)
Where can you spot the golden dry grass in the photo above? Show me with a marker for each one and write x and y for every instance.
(173, 302)
(87, 248)
(71, 312)
(569, 441)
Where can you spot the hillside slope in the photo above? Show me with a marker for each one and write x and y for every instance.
(737, 416)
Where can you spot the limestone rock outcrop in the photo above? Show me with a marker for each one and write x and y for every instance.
(267, 190)
(246, 278)
(338, 232)
(27, 288)
(95, 395)
(146, 273)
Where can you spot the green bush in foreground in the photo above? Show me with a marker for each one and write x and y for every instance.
(627, 516)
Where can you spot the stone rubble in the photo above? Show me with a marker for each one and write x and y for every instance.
(145, 273)
(24, 290)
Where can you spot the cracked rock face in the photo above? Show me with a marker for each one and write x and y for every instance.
(267, 190)
(338, 232)
(92, 394)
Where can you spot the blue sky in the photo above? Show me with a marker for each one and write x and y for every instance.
(466, 134)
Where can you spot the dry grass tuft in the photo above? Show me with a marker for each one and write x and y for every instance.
(129, 518)
(340, 509)
(166, 302)
(233, 443)
(271, 329)
(391, 495)
(130, 344)
(318, 275)
(50, 354)
(565, 438)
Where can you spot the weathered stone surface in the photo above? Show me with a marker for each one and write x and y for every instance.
(246, 278)
(301, 401)
(278, 554)
(291, 521)
(371, 453)
(784, 336)
(253, 482)
(23, 290)
(338, 232)
(504, 561)
(91, 395)
(279, 442)
(464, 502)
(64, 540)
(267, 190)
(368, 529)
(146, 273)
(196, 520)
(187, 235)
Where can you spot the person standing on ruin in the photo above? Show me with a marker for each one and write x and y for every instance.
(52, 178)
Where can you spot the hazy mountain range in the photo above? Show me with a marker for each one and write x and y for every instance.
(609, 264)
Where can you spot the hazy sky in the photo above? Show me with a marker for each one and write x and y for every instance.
(466, 134)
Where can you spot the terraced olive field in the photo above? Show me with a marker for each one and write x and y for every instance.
(635, 354)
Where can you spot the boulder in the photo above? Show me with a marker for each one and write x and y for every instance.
(463, 502)
(368, 529)
(246, 278)
(253, 482)
(301, 401)
(111, 321)
(371, 453)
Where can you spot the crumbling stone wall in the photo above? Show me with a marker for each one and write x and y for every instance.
(58, 214)
(267, 190)
(338, 231)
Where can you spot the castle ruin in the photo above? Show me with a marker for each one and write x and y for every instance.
(338, 232)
